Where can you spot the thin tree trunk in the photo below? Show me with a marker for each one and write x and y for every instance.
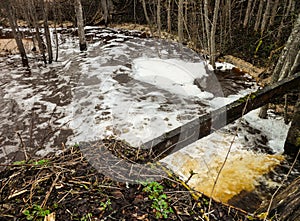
(158, 17)
(186, 7)
(287, 8)
(252, 10)
(55, 29)
(207, 26)
(229, 19)
(169, 16)
(195, 24)
(265, 17)
(259, 14)
(223, 25)
(32, 10)
(247, 15)
(213, 34)
(56, 40)
(45, 7)
(16, 32)
(274, 12)
(146, 16)
(134, 11)
(204, 38)
(180, 20)
(288, 61)
(80, 25)
(105, 11)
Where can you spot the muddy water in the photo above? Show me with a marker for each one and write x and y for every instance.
(242, 171)
(82, 98)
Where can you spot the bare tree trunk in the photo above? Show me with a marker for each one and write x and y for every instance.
(223, 25)
(32, 10)
(80, 25)
(265, 17)
(229, 19)
(195, 24)
(169, 16)
(186, 7)
(15, 31)
(207, 26)
(290, 54)
(158, 17)
(259, 14)
(134, 11)
(288, 61)
(213, 34)
(287, 8)
(146, 16)
(55, 29)
(204, 37)
(45, 6)
(180, 20)
(247, 15)
(274, 12)
(106, 6)
(252, 10)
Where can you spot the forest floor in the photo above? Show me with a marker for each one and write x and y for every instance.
(67, 187)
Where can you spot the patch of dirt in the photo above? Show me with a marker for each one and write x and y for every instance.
(69, 188)
(9, 46)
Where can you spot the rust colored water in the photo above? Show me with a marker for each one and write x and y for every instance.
(242, 171)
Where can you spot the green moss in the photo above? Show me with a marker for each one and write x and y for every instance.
(251, 97)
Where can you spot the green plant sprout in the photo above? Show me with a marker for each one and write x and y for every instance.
(86, 217)
(106, 205)
(159, 199)
(36, 213)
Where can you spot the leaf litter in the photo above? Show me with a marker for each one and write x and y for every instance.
(71, 189)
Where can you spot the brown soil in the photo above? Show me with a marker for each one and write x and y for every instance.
(9, 46)
(71, 189)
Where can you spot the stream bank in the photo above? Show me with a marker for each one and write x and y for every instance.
(87, 96)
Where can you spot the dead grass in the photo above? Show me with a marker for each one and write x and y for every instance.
(69, 188)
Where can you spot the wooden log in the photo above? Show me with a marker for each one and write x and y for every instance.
(206, 124)
(285, 206)
(292, 142)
